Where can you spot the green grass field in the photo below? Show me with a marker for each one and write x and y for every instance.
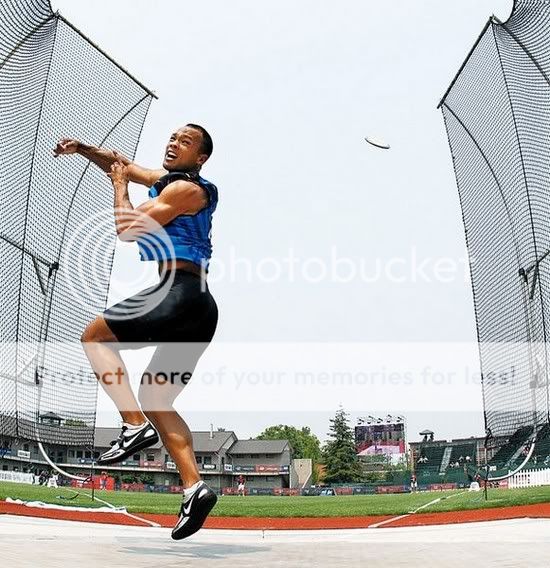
(344, 506)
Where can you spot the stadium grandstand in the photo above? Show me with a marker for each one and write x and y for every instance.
(445, 461)
(458, 460)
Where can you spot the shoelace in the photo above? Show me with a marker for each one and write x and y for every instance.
(120, 437)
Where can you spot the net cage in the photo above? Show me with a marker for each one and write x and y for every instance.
(497, 117)
(57, 233)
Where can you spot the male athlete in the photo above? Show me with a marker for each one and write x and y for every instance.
(173, 228)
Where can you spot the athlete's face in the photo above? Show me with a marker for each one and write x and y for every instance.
(183, 150)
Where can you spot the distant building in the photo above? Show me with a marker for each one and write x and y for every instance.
(221, 458)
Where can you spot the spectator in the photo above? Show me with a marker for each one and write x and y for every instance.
(240, 486)
(103, 481)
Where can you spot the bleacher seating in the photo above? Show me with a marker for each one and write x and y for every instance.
(462, 456)
(504, 456)
(429, 468)
(438, 463)
(463, 451)
(541, 454)
(456, 475)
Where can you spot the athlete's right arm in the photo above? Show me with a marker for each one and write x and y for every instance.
(104, 159)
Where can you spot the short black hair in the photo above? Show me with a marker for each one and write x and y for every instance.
(207, 146)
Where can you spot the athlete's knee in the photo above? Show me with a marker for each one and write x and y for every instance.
(88, 334)
(155, 408)
(152, 401)
(156, 415)
(168, 380)
(97, 331)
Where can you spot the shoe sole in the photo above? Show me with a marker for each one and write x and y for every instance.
(209, 501)
(146, 443)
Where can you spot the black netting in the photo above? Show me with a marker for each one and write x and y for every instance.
(57, 233)
(497, 116)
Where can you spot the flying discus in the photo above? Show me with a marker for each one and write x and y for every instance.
(377, 143)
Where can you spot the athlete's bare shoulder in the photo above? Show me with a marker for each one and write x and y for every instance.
(185, 196)
(144, 176)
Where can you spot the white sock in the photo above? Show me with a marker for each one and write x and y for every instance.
(133, 426)
(190, 490)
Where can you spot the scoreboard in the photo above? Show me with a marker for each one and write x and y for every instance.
(380, 437)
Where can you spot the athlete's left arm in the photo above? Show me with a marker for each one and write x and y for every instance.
(177, 198)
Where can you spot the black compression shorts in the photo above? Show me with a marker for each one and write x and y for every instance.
(179, 309)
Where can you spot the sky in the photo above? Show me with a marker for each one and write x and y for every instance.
(340, 270)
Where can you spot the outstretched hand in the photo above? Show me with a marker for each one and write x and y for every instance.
(65, 146)
(119, 171)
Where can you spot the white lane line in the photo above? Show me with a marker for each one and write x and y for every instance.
(123, 511)
(392, 520)
(97, 510)
(397, 518)
(141, 519)
(426, 505)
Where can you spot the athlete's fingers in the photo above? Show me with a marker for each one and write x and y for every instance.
(63, 142)
(118, 157)
(58, 150)
(62, 146)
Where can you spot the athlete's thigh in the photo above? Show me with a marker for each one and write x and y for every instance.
(169, 371)
(135, 319)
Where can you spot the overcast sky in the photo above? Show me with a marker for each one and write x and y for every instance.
(321, 242)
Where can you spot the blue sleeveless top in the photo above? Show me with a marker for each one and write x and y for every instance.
(186, 237)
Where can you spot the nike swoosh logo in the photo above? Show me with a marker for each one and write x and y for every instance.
(187, 509)
(187, 506)
(201, 493)
(129, 439)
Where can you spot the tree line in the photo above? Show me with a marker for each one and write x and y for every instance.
(337, 457)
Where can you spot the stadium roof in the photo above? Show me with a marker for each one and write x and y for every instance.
(201, 440)
(203, 443)
(26, 429)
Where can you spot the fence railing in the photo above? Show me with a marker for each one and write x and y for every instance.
(530, 478)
